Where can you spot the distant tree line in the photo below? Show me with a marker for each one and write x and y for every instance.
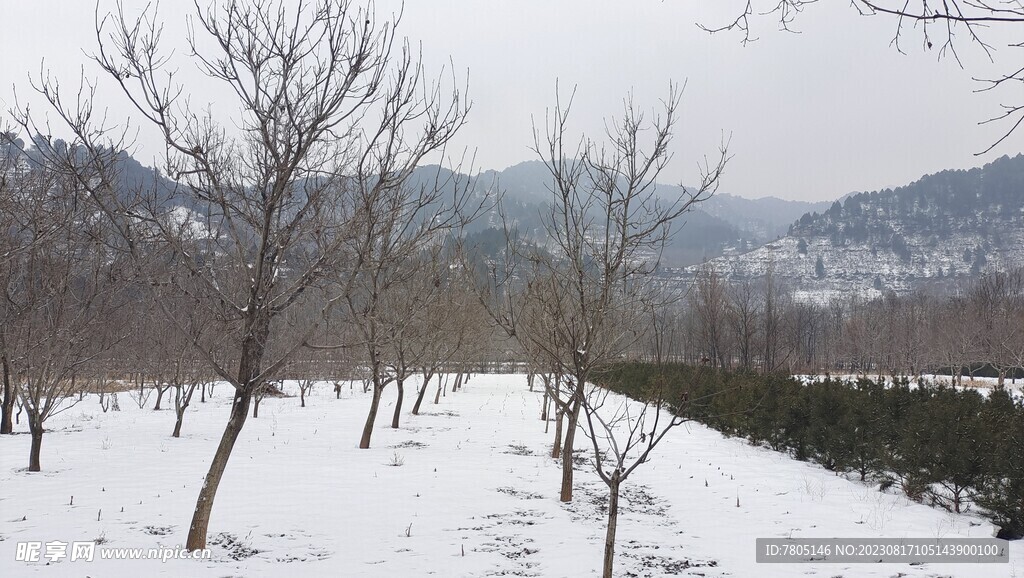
(947, 447)
(759, 325)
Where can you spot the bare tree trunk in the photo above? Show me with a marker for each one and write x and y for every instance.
(613, 518)
(260, 391)
(177, 424)
(302, 396)
(36, 430)
(7, 406)
(556, 448)
(458, 382)
(204, 505)
(400, 382)
(159, 396)
(567, 447)
(364, 442)
(422, 393)
(182, 397)
(252, 350)
(440, 388)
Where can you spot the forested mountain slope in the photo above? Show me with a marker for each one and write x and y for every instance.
(935, 232)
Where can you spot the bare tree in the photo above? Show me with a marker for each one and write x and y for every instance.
(552, 392)
(174, 361)
(953, 336)
(443, 327)
(743, 313)
(772, 301)
(404, 321)
(583, 301)
(709, 301)
(259, 393)
(1013, 341)
(263, 202)
(595, 290)
(623, 438)
(305, 388)
(61, 289)
(399, 221)
(14, 177)
(995, 298)
(184, 387)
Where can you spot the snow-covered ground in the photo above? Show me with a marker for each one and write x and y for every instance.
(474, 495)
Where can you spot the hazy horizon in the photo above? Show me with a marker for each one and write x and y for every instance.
(768, 196)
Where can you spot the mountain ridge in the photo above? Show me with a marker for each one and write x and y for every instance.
(721, 224)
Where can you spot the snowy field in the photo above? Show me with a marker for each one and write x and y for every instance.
(466, 489)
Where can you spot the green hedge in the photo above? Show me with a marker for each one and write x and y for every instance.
(954, 449)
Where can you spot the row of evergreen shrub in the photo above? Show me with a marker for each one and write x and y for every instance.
(954, 449)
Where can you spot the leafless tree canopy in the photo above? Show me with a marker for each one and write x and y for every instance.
(579, 302)
(281, 205)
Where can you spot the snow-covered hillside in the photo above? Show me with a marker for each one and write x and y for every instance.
(940, 230)
(860, 269)
(465, 490)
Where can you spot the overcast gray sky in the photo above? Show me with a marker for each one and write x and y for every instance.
(811, 116)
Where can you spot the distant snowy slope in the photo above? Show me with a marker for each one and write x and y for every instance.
(942, 229)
